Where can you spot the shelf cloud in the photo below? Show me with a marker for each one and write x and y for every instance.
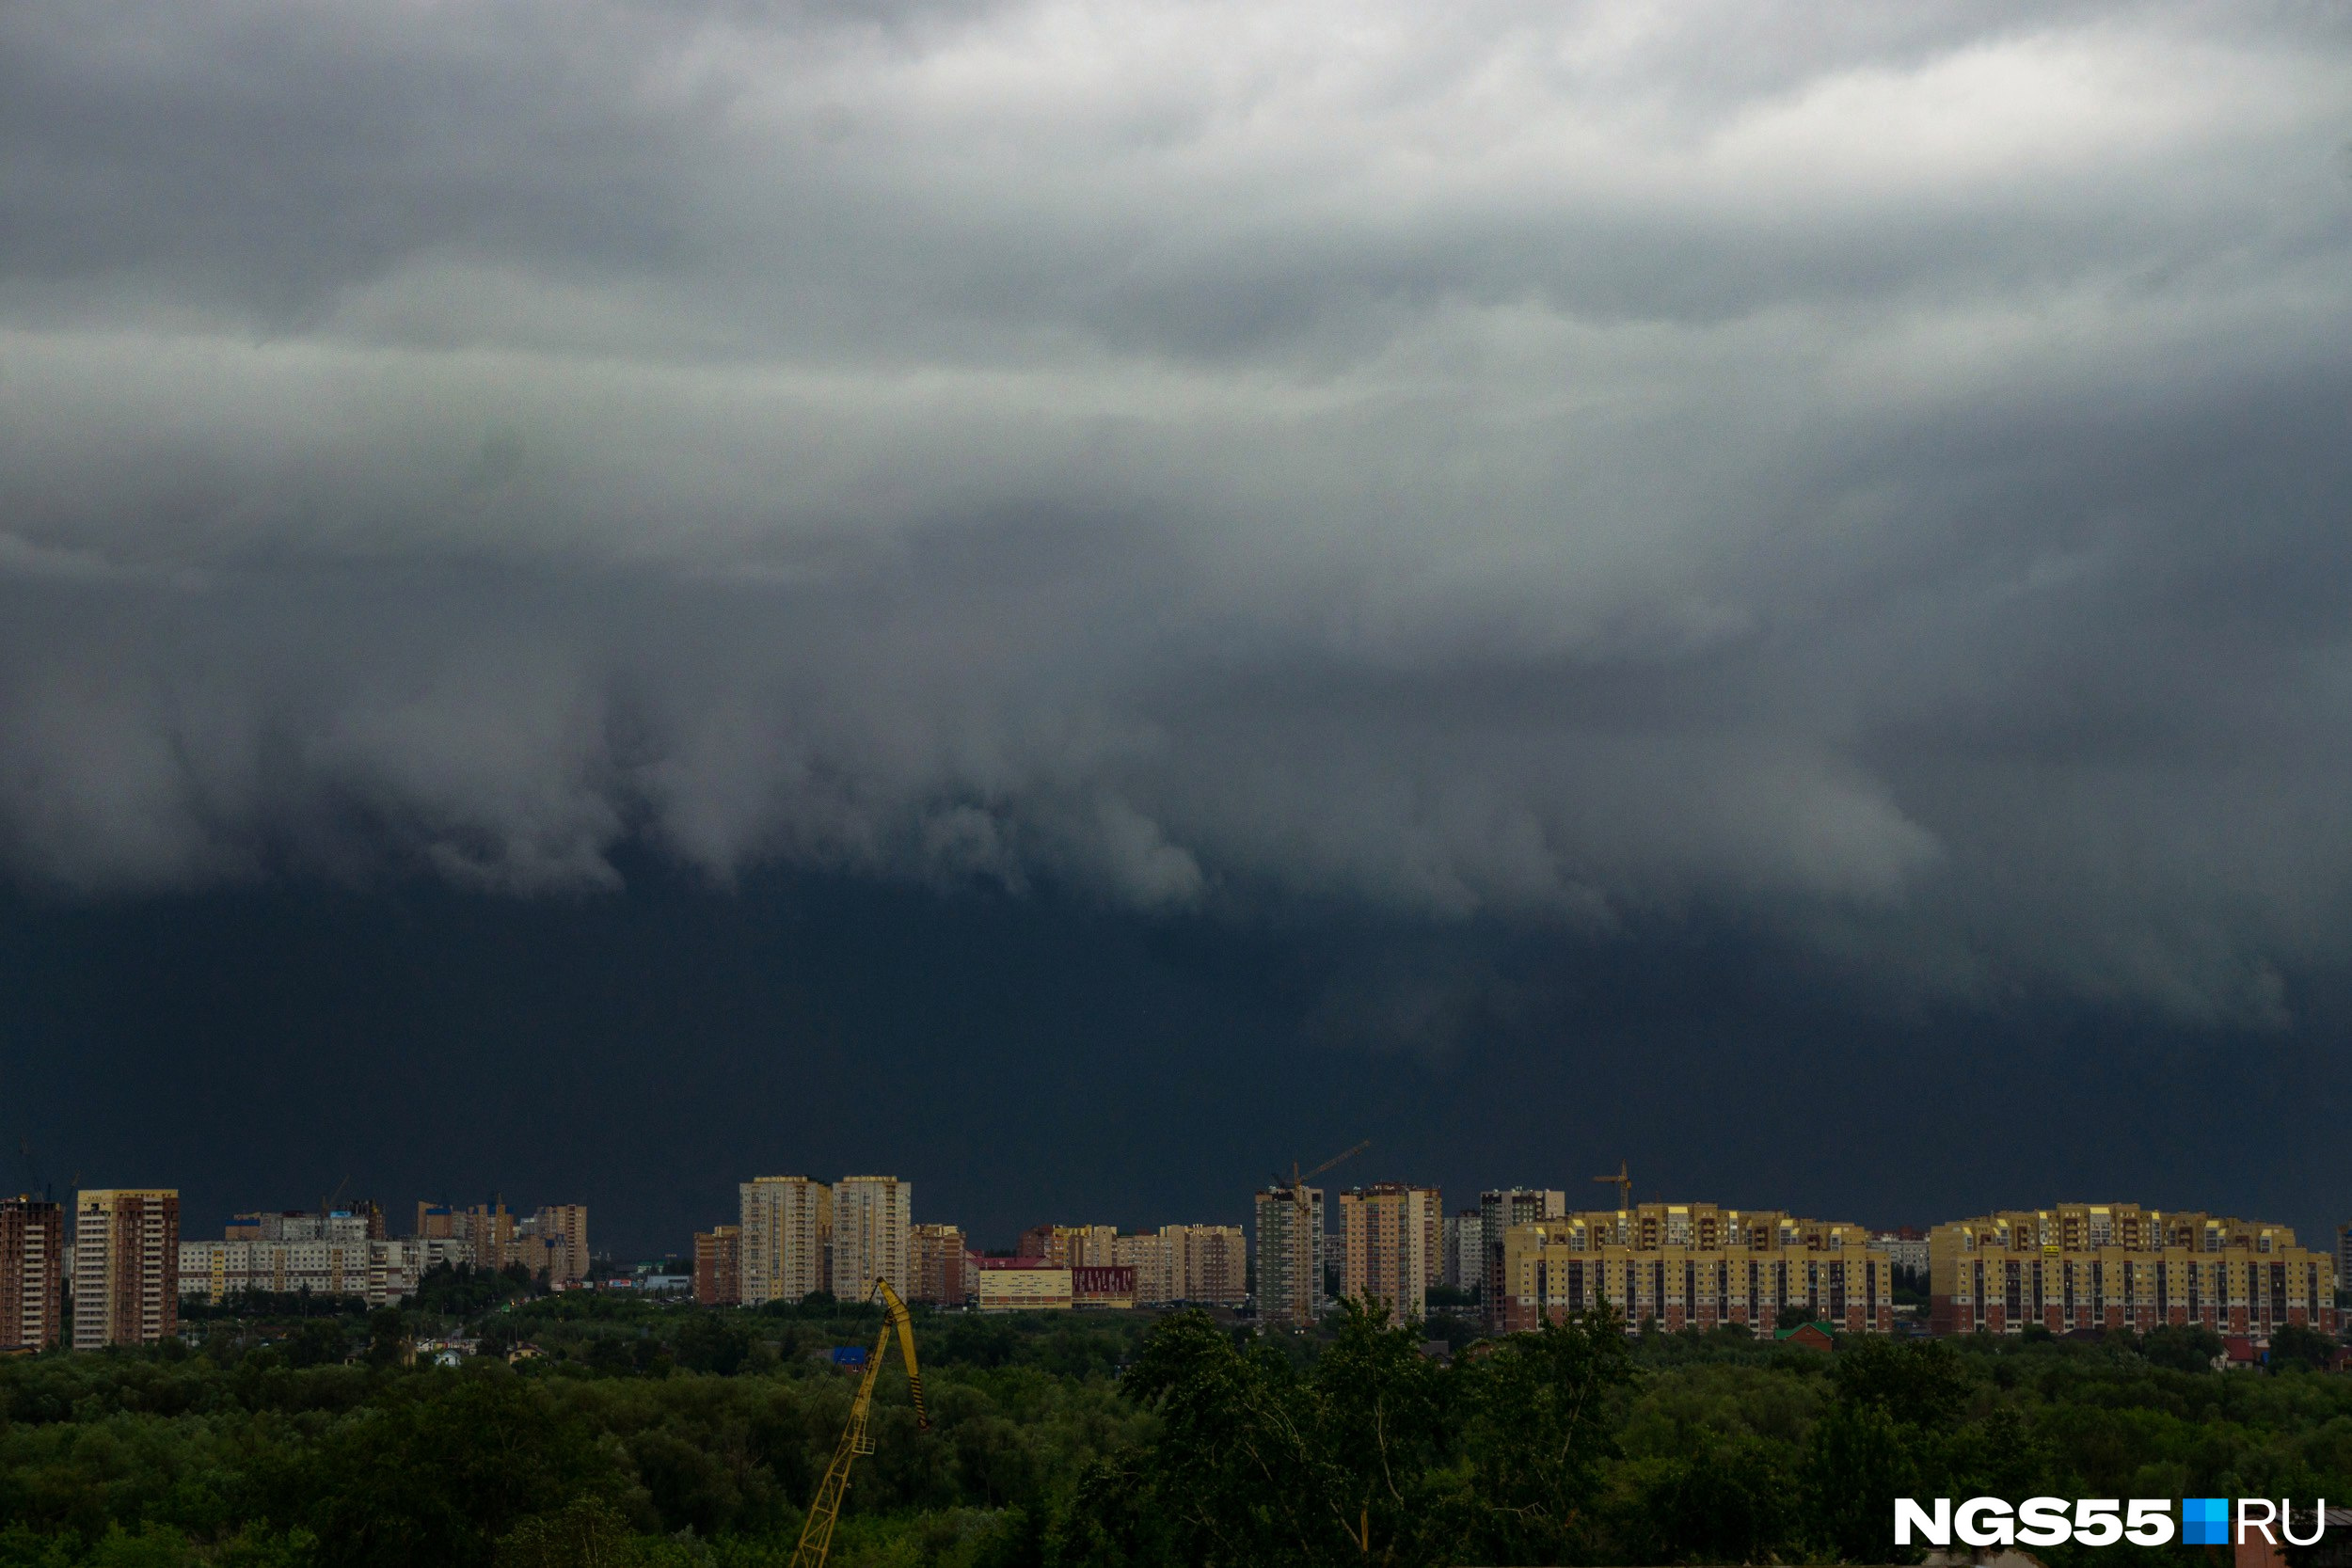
(1878, 478)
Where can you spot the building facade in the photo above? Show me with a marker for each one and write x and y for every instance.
(32, 1273)
(380, 1272)
(785, 1236)
(1021, 1285)
(872, 1222)
(1464, 1238)
(2117, 1265)
(1499, 1209)
(942, 1265)
(564, 1224)
(1208, 1265)
(719, 1266)
(1290, 1249)
(1102, 1285)
(1390, 1227)
(1906, 1248)
(1695, 1265)
(126, 1266)
(1146, 1253)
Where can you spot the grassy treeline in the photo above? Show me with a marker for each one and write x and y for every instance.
(645, 1435)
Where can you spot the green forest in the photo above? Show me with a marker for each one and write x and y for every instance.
(637, 1432)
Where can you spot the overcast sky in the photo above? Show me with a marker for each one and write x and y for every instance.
(1539, 480)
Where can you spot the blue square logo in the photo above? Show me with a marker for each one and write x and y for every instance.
(2204, 1521)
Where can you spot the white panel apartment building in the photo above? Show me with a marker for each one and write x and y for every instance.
(785, 1239)
(871, 1218)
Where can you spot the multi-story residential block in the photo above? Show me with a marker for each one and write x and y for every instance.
(1695, 1265)
(872, 1220)
(32, 1273)
(1499, 1209)
(942, 1265)
(435, 1222)
(1465, 1249)
(567, 1224)
(1021, 1285)
(1906, 1247)
(1208, 1265)
(1290, 1253)
(786, 1238)
(489, 1230)
(719, 1266)
(1388, 1227)
(349, 1263)
(2117, 1265)
(2343, 1255)
(1147, 1255)
(126, 1266)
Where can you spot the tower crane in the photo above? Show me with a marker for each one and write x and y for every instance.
(824, 1510)
(1624, 1183)
(1302, 1251)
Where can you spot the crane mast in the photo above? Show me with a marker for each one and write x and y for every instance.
(824, 1510)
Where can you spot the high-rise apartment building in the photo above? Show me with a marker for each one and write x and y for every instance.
(1208, 1265)
(567, 1223)
(786, 1237)
(2117, 1265)
(1465, 1250)
(32, 1273)
(872, 1221)
(1499, 1209)
(489, 1230)
(1147, 1255)
(1290, 1256)
(1695, 1265)
(1390, 1227)
(942, 1265)
(126, 1266)
(718, 1266)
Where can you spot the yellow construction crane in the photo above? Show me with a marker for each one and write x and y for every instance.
(1624, 1183)
(824, 1511)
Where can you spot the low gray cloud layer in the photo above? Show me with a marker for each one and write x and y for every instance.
(1882, 477)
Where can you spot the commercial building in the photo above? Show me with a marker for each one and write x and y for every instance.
(1208, 1265)
(1102, 1285)
(2117, 1265)
(1290, 1249)
(872, 1219)
(126, 1266)
(1390, 1229)
(1695, 1265)
(32, 1273)
(1020, 1285)
(785, 1231)
(1499, 1209)
(718, 1266)
(942, 1265)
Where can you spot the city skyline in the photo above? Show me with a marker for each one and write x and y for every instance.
(1683, 586)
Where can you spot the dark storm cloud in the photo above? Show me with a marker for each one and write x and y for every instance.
(1878, 478)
